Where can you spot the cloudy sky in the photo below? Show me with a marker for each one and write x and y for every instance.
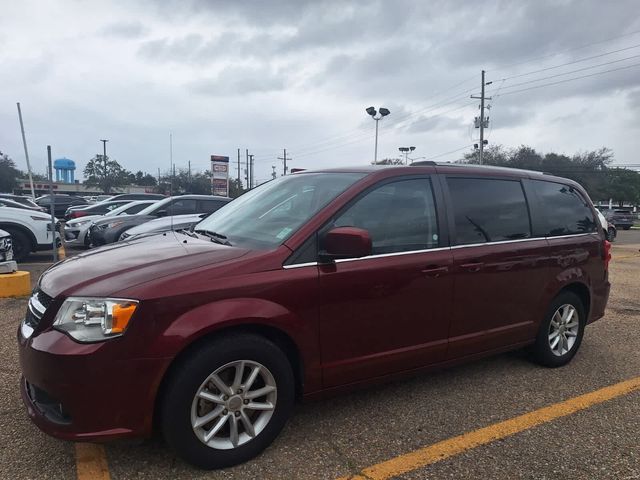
(267, 75)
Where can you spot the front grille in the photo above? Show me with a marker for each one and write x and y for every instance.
(43, 298)
(38, 304)
(5, 244)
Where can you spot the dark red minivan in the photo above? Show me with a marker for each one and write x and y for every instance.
(307, 285)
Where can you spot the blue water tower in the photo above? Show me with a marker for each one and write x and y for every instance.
(64, 170)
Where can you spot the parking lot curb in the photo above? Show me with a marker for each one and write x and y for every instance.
(16, 284)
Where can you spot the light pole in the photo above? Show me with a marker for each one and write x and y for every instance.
(406, 151)
(383, 113)
(104, 154)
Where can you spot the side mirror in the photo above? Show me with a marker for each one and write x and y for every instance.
(345, 242)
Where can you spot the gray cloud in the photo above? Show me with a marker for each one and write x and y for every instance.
(124, 30)
(240, 81)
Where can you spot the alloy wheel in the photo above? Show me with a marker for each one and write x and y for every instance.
(563, 329)
(234, 404)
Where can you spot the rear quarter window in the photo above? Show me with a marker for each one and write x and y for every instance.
(564, 211)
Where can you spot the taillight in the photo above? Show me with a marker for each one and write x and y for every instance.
(606, 254)
(77, 214)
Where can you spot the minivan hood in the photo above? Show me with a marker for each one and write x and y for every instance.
(115, 267)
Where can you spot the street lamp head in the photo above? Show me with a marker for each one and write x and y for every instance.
(384, 111)
(412, 148)
(371, 111)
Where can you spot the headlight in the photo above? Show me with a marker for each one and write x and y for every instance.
(94, 319)
(78, 224)
(114, 224)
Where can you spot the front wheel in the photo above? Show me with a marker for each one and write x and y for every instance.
(22, 245)
(227, 401)
(561, 331)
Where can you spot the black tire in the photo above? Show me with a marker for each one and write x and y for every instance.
(187, 377)
(627, 227)
(541, 350)
(22, 245)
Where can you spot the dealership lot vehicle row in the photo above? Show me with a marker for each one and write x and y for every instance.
(346, 435)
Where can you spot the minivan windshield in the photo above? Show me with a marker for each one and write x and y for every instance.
(266, 216)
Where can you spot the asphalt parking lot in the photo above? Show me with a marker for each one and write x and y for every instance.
(348, 434)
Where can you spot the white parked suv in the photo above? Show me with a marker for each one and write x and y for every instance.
(30, 230)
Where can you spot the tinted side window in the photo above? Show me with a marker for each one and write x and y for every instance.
(136, 208)
(488, 210)
(399, 216)
(182, 207)
(564, 210)
(208, 206)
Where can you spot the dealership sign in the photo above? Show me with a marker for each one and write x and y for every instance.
(220, 175)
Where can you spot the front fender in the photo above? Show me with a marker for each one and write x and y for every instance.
(221, 315)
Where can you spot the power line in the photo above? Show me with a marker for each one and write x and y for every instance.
(393, 120)
(569, 72)
(446, 153)
(533, 59)
(569, 79)
(572, 62)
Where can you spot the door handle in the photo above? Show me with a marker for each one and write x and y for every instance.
(435, 270)
(472, 266)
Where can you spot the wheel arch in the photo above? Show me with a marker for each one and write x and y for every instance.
(22, 229)
(272, 333)
(582, 291)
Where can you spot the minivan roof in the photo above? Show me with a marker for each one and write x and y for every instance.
(446, 168)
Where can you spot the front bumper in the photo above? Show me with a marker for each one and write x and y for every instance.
(87, 392)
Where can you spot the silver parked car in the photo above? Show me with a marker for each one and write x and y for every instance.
(7, 264)
(76, 230)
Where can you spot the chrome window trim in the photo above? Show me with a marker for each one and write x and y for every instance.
(439, 249)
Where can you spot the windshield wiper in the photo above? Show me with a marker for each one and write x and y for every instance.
(215, 237)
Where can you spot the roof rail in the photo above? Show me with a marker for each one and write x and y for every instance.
(423, 163)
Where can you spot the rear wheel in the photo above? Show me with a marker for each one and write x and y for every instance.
(561, 331)
(227, 401)
(22, 245)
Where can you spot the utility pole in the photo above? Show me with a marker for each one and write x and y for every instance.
(189, 176)
(284, 160)
(482, 123)
(251, 178)
(52, 205)
(26, 152)
(158, 177)
(238, 169)
(246, 172)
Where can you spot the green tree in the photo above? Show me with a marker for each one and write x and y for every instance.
(623, 185)
(105, 173)
(9, 174)
(144, 179)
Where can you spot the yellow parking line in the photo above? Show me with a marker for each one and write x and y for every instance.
(91, 462)
(453, 446)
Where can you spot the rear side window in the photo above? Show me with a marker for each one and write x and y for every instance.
(136, 208)
(182, 206)
(564, 210)
(488, 210)
(208, 206)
